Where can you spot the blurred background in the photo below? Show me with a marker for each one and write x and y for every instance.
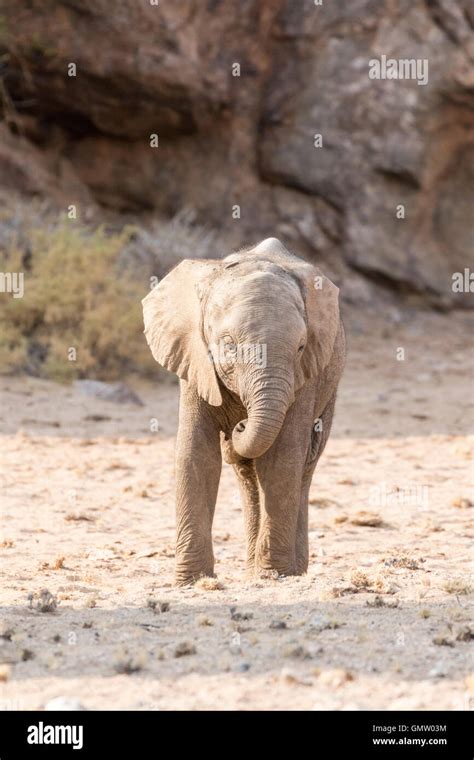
(136, 134)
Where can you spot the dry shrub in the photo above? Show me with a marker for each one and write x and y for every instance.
(209, 584)
(164, 244)
(74, 297)
(458, 586)
(82, 289)
(360, 579)
(126, 661)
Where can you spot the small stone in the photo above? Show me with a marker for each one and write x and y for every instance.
(441, 640)
(438, 671)
(184, 648)
(277, 625)
(367, 519)
(297, 651)
(379, 601)
(322, 623)
(157, 606)
(466, 633)
(403, 562)
(6, 631)
(240, 615)
(43, 601)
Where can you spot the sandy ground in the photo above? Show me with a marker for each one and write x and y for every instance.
(380, 621)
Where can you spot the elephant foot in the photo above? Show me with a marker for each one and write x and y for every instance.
(185, 577)
(301, 567)
(274, 568)
(271, 558)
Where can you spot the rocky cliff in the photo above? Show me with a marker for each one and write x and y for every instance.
(263, 117)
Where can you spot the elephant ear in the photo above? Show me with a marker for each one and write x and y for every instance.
(173, 326)
(322, 310)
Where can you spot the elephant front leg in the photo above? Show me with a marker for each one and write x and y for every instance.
(248, 485)
(280, 474)
(275, 549)
(198, 468)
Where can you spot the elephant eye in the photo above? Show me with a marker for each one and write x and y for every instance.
(301, 349)
(228, 350)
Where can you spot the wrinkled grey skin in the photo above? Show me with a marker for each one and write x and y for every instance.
(260, 418)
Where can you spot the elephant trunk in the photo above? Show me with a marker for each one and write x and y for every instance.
(266, 409)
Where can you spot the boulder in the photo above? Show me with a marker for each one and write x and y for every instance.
(267, 120)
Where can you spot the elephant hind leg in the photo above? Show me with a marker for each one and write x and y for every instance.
(248, 486)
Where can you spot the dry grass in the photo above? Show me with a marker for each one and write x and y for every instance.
(129, 662)
(209, 584)
(80, 315)
(458, 586)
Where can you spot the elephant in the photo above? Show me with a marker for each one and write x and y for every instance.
(257, 341)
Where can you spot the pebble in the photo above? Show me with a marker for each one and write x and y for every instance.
(438, 671)
(277, 625)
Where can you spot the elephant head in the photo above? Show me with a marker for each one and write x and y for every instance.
(259, 322)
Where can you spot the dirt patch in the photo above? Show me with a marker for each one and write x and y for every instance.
(87, 550)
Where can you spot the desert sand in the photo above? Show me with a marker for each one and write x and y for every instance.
(381, 620)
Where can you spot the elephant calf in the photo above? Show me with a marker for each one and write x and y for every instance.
(258, 343)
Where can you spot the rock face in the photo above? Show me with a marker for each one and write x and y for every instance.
(265, 105)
